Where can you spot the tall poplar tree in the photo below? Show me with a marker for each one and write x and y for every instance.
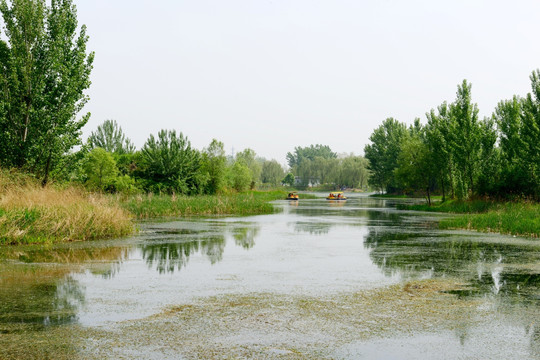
(466, 142)
(46, 70)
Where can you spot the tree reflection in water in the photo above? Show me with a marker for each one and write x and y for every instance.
(171, 256)
(38, 296)
(172, 253)
(244, 236)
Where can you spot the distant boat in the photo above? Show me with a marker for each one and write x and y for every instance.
(292, 196)
(336, 195)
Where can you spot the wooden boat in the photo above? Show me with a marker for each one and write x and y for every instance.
(292, 196)
(336, 195)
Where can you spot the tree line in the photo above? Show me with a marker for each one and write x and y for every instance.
(167, 163)
(459, 155)
(318, 165)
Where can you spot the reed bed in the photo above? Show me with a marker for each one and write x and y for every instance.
(152, 206)
(32, 214)
(520, 218)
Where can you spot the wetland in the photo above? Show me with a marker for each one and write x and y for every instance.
(315, 280)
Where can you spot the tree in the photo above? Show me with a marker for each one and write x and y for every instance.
(531, 133)
(46, 70)
(248, 157)
(439, 138)
(415, 164)
(109, 136)
(100, 168)
(170, 164)
(383, 153)
(353, 171)
(240, 176)
(308, 163)
(288, 179)
(466, 142)
(214, 163)
(272, 172)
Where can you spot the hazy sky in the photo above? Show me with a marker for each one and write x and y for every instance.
(274, 74)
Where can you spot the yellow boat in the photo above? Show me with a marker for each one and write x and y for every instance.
(336, 195)
(292, 196)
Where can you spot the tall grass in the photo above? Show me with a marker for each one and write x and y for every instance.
(249, 203)
(515, 218)
(32, 214)
(521, 219)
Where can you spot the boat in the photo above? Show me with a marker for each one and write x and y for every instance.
(336, 195)
(292, 196)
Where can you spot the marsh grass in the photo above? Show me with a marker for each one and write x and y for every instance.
(248, 203)
(515, 218)
(32, 214)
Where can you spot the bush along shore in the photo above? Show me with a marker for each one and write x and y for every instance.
(520, 218)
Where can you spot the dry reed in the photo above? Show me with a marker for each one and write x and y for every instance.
(32, 214)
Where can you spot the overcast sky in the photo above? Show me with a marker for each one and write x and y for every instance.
(274, 74)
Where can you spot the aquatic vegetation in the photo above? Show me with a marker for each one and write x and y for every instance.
(277, 326)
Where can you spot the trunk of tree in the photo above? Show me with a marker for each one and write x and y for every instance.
(47, 167)
(442, 187)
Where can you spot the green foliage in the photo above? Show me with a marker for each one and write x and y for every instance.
(45, 71)
(272, 173)
(415, 169)
(466, 140)
(214, 164)
(352, 172)
(248, 157)
(309, 153)
(100, 169)
(170, 164)
(240, 176)
(109, 136)
(288, 179)
(383, 153)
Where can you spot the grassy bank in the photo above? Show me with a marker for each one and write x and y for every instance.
(515, 218)
(32, 214)
(249, 203)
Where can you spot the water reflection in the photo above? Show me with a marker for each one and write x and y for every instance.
(168, 250)
(244, 236)
(312, 228)
(38, 296)
(410, 254)
(171, 256)
(37, 287)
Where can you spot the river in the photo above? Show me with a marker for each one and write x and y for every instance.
(316, 280)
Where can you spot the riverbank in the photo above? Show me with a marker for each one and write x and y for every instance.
(32, 214)
(144, 206)
(514, 218)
